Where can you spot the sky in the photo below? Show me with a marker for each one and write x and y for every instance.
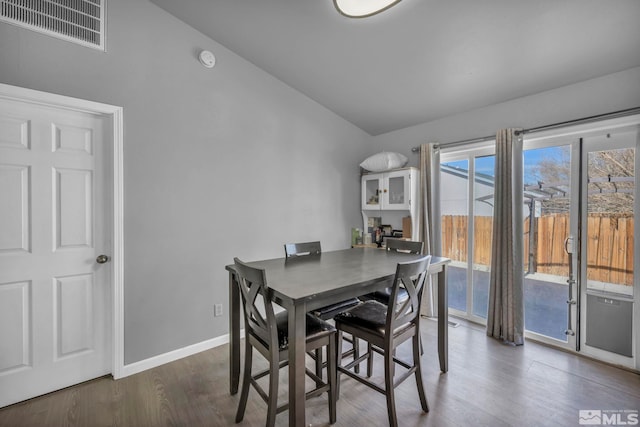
(486, 165)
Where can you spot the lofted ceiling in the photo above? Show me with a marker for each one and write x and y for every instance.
(422, 59)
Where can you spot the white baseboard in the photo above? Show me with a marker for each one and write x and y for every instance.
(171, 356)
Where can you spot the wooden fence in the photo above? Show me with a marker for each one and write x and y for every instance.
(609, 245)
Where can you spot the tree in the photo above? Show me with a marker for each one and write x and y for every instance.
(611, 181)
(610, 175)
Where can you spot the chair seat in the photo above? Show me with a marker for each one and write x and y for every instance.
(316, 328)
(384, 296)
(370, 316)
(395, 245)
(329, 311)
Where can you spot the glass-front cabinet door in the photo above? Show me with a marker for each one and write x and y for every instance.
(396, 190)
(371, 191)
(388, 190)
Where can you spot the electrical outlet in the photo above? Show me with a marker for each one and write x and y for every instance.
(217, 310)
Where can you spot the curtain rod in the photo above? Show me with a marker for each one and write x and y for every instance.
(461, 142)
(584, 120)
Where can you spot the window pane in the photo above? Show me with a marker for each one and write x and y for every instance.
(454, 185)
(610, 220)
(547, 196)
(483, 189)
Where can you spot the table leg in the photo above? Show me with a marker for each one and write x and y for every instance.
(297, 346)
(234, 334)
(443, 320)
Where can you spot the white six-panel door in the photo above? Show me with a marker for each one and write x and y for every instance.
(54, 296)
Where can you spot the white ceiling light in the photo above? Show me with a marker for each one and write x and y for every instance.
(362, 8)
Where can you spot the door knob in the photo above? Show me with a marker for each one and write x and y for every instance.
(101, 259)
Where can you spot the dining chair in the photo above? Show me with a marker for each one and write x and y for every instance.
(395, 245)
(314, 248)
(302, 249)
(294, 250)
(267, 332)
(385, 327)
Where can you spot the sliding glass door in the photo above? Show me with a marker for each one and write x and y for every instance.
(467, 185)
(609, 292)
(579, 257)
(580, 204)
(550, 201)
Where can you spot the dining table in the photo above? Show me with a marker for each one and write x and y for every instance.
(302, 284)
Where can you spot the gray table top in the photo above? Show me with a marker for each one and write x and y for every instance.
(320, 279)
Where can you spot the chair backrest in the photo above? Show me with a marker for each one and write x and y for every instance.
(400, 245)
(301, 249)
(256, 300)
(411, 276)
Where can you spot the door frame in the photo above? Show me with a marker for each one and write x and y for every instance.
(469, 154)
(551, 135)
(573, 142)
(592, 351)
(582, 130)
(114, 152)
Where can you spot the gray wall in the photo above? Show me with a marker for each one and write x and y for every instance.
(230, 161)
(614, 92)
(218, 163)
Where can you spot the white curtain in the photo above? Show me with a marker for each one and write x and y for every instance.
(505, 318)
(429, 226)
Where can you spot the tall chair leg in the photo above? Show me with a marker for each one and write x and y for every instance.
(390, 391)
(369, 360)
(417, 349)
(339, 362)
(356, 353)
(318, 364)
(332, 358)
(246, 377)
(272, 405)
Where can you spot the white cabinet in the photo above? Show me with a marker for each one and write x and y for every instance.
(392, 194)
(389, 190)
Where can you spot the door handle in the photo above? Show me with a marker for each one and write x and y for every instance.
(568, 245)
(101, 259)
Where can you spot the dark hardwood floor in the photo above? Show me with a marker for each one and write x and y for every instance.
(488, 384)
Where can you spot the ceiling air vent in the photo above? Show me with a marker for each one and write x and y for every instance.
(78, 21)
